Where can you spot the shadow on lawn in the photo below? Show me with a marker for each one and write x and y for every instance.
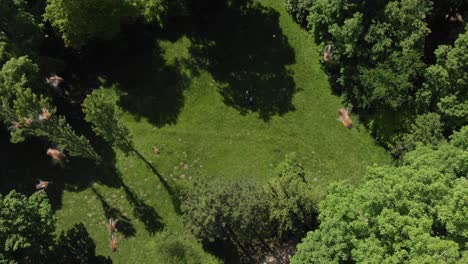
(125, 224)
(76, 246)
(175, 197)
(144, 212)
(134, 60)
(75, 176)
(248, 54)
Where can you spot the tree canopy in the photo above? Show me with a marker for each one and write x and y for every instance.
(20, 110)
(101, 110)
(20, 31)
(27, 225)
(414, 213)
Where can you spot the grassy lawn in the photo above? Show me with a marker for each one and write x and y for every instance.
(227, 99)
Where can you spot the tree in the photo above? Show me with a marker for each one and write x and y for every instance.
(17, 74)
(174, 249)
(460, 138)
(426, 130)
(290, 167)
(20, 108)
(101, 110)
(378, 48)
(227, 211)
(413, 213)
(255, 219)
(20, 33)
(27, 225)
(299, 9)
(81, 20)
(446, 83)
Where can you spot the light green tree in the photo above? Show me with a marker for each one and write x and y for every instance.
(79, 21)
(101, 110)
(27, 226)
(409, 214)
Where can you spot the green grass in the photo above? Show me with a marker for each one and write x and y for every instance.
(193, 107)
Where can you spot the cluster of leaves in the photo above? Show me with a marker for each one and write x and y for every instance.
(81, 20)
(20, 108)
(22, 88)
(20, 31)
(414, 213)
(101, 110)
(26, 228)
(299, 9)
(380, 61)
(446, 83)
(379, 47)
(254, 219)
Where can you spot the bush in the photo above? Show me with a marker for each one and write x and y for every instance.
(426, 130)
(299, 9)
(254, 219)
(174, 249)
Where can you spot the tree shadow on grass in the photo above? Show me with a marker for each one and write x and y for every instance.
(76, 246)
(125, 224)
(248, 54)
(173, 193)
(22, 164)
(144, 212)
(134, 60)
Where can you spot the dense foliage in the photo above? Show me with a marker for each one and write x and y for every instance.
(101, 110)
(379, 48)
(446, 84)
(21, 107)
(26, 228)
(82, 20)
(299, 9)
(20, 31)
(382, 55)
(254, 219)
(414, 213)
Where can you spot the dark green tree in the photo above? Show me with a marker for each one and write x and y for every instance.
(79, 21)
(299, 9)
(378, 48)
(227, 211)
(256, 219)
(27, 225)
(447, 81)
(21, 110)
(20, 32)
(425, 130)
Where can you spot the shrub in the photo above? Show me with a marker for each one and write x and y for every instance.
(299, 9)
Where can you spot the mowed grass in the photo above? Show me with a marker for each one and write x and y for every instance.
(213, 133)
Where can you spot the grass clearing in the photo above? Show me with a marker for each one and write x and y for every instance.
(186, 94)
